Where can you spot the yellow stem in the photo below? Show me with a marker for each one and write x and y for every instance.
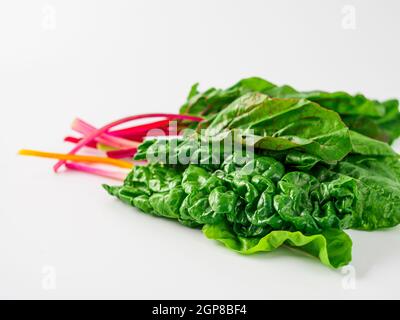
(77, 158)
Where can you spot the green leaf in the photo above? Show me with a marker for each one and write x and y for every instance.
(255, 202)
(368, 146)
(284, 124)
(375, 119)
(254, 84)
(301, 161)
(222, 201)
(167, 204)
(213, 100)
(332, 247)
(297, 202)
(365, 188)
(345, 103)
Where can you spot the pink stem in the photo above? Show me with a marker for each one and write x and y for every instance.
(99, 172)
(107, 127)
(116, 142)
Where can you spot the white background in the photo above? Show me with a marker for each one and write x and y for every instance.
(102, 60)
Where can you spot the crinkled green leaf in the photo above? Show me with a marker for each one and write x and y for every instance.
(297, 202)
(370, 192)
(241, 195)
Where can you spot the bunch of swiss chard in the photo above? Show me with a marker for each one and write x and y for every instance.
(309, 165)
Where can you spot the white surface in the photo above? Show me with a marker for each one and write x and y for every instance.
(106, 59)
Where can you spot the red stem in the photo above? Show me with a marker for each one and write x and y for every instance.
(123, 153)
(140, 130)
(92, 144)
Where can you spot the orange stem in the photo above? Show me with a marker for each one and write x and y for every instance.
(77, 158)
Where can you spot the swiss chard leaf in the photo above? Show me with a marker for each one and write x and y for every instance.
(374, 197)
(332, 247)
(236, 205)
(211, 101)
(361, 191)
(378, 120)
(256, 200)
(284, 124)
(367, 146)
